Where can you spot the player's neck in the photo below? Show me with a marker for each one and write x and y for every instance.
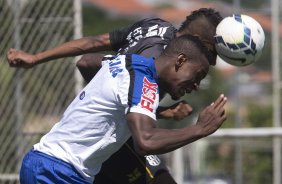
(161, 65)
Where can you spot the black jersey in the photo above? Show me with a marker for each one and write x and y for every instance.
(127, 167)
(147, 37)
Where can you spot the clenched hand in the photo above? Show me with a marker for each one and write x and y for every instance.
(17, 58)
(177, 111)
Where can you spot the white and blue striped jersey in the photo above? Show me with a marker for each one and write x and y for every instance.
(94, 125)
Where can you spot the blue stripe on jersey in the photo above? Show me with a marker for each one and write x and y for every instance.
(143, 77)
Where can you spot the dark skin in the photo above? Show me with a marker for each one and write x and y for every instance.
(90, 64)
(87, 66)
(18, 58)
(152, 140)
(185, 76)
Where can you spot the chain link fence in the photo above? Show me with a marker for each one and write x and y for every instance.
(32, 99)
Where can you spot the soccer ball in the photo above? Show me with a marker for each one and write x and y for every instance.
(239, 40)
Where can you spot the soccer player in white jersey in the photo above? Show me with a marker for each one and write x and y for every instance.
(146, 37)
(100, 119)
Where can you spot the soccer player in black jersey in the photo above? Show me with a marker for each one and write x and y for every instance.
(147, 37)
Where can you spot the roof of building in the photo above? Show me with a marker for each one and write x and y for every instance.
(174, 14)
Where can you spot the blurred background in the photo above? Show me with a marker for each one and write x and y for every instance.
(247, 149)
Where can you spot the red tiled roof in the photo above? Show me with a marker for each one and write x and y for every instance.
(136, 8)
(179, 15)
(126, 7)
(265, 21)
(263, 76)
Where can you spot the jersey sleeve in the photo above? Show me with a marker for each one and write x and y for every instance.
(137, 89)
(144, 97)
(143, 94)
(118, 37)
(153, 50)
(143, 37)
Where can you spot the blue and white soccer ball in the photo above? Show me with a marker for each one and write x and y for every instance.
(239, 40)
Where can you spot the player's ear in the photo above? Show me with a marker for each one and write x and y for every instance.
(181, 59)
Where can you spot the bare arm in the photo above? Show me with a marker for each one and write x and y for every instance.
(73, 48)
(89, 65)
(149, 139)
(178, 111)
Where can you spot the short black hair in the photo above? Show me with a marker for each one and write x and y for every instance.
(186, 44)
(210, 14)
(198, 23)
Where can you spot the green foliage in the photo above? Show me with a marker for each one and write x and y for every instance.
(246, 3)
(257, 165)
(7, 88)
(256, 154)
(264, 62)
(164, 5)
(96, 21)
(224, 162)
(259, 115)
(256, 159)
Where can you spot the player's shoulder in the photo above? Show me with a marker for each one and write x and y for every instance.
(137, 59)
(143, 66)
(155, 20)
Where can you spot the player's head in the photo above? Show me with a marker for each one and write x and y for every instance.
(202, 23)
(184, 63)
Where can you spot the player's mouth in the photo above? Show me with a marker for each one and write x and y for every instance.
(186, 90)
(183, 91)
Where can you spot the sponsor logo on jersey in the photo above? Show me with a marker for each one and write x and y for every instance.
(137, 34)
(149, 94)
(153, 160)
(115, 66)
(82, 95)
(134, 175)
